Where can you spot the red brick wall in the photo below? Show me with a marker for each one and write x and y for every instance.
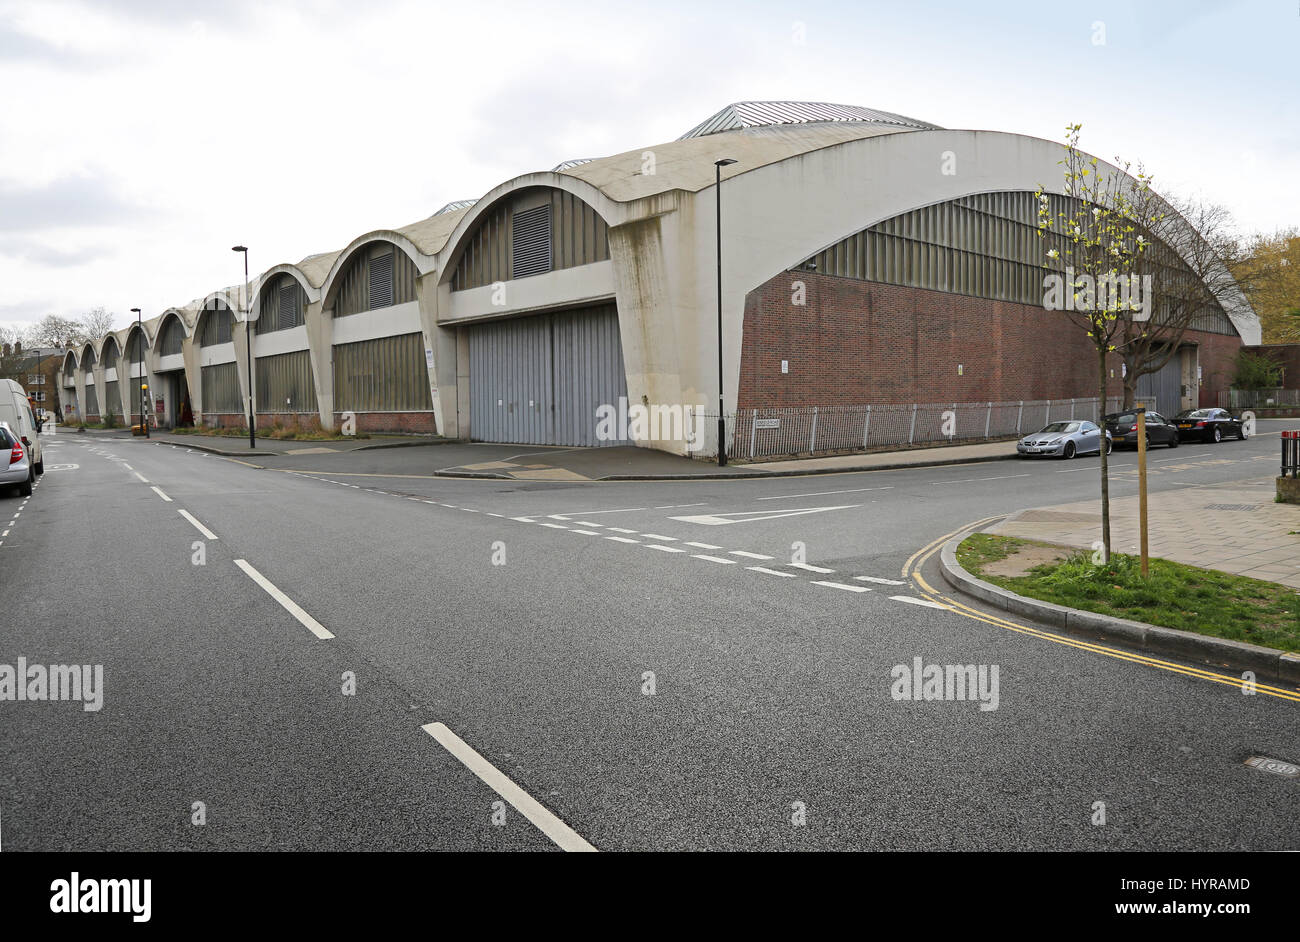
(419, 422)
(857, 342)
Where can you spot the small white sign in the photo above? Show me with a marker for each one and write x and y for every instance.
(767, 423)
(785, 366)
(428, 357)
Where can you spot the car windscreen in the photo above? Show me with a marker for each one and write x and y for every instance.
(1193, 414)
(1057, 427)
(1124, 418)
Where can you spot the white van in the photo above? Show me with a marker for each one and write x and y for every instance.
(17, 411)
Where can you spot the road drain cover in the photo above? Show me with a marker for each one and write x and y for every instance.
(1276, 766)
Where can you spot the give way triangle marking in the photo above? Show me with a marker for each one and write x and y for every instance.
(747, 516)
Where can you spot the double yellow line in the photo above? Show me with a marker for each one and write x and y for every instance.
(911, 569)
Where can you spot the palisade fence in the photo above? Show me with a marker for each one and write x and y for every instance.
(1235, 399)
(756, 434)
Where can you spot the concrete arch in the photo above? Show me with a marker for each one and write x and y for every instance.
(450, 253)
(329, 287)
(217, 301)
(311, 293)
(94, 353)
(186, 316)
(70, 355)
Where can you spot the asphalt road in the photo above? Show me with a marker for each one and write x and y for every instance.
(642, 660)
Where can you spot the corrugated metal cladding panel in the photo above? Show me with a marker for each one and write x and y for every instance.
(221, 389)
(588, 372)
(1165, 387)
(112, 399)
(539, 380)
(92, 400)
(387, 374)
(284, 383)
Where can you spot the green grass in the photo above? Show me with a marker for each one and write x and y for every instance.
(277, 432)
(1204, 601)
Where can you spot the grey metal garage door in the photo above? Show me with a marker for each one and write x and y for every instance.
(538, 380)
(1164, 386)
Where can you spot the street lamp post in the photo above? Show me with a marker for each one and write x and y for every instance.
(722, 419)
(248, 339)
(139, 342)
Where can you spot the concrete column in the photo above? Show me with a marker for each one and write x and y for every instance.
(320, 347)
(240, 337)
(439, 356)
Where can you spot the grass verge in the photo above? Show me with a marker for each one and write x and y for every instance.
(1204, 601)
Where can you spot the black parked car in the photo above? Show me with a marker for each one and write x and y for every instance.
(1209, 425)
(1123, 429)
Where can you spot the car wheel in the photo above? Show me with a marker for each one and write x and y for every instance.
(1241, 434)
(1110, 446)
(1068, 451)
(1218, 435)
(25, 489)
(1173, 442)
(40, 466)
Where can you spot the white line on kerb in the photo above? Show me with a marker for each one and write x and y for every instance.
(198, 526)
(141, 476)
(771, 572)
(564, 836)
(289, 604)
(841, 585)
(161, 494)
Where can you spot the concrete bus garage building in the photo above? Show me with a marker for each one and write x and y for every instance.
(868, 260)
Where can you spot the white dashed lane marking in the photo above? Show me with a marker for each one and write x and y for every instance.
(664, 549)
(198, 526)
(841, 585)
(915, 601)
(622, 539)
(750, 555)
(564, 836)
(771, 572)
(714, 559)
(708, 546)
(879, 580)
(159, 492)
(820, 569)
(289, 605)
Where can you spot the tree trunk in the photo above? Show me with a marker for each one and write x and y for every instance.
(1105, 459)
(1130, 390)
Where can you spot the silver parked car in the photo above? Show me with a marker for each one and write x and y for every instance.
(15, 462)
(1065, 440)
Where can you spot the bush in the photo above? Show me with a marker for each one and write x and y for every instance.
(1256, 371)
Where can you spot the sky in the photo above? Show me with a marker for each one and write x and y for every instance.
(141, 139)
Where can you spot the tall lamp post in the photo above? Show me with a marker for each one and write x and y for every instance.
(248, 339)
(139, 342)
(722, 416)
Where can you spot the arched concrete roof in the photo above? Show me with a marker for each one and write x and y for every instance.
(73, 355)
(424, 262)
(94, 353)
(469, 218)
(187, 325)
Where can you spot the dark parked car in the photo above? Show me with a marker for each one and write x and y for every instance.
(1123, 429)
(1209, 425)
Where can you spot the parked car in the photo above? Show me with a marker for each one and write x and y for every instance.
(15, 463)
(1209, 425)
(1065, 440)
(1123, 429)
(17, 412)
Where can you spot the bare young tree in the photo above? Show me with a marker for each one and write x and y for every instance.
(1190, 243)
(55, 331)
(98, 322)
